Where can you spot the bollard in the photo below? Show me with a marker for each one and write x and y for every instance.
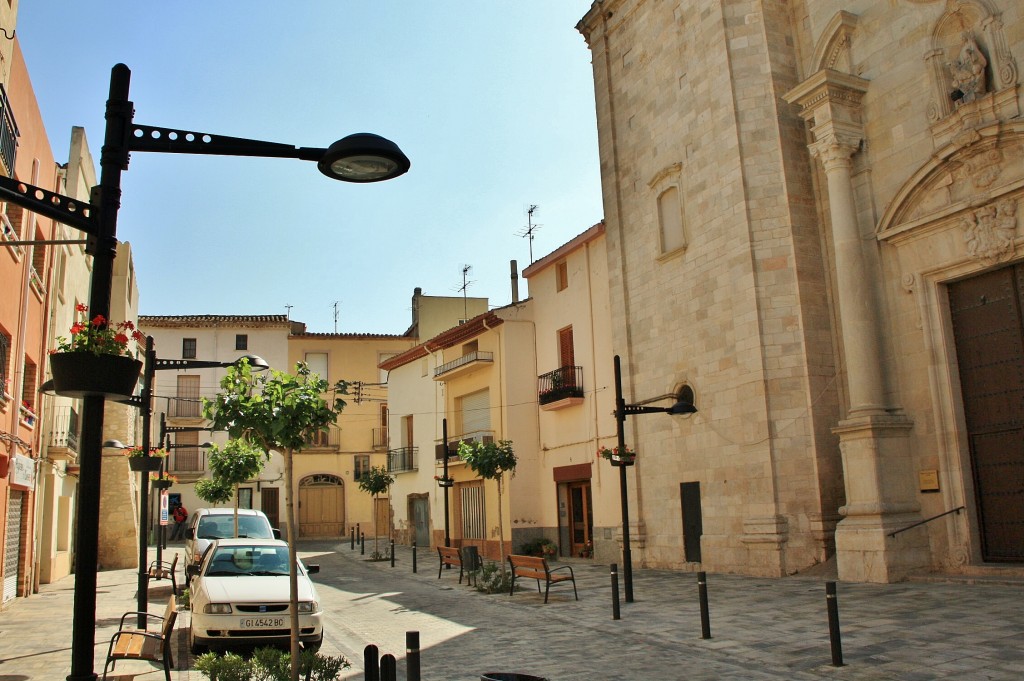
(834, 636)
(414, 557)
(371, 672)
(388, 669)
(615, 591)
(412, 655)
(362, 544)
(392, 553)
(705, 616)
(359, 534)
(352, 541)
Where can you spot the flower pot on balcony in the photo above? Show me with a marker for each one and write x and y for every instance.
(83, 374)
(145, 463)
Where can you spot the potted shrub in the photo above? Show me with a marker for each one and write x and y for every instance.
(138, 460)
(96, 359)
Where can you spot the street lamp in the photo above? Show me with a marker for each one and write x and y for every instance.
(683, 405)
(358, 158)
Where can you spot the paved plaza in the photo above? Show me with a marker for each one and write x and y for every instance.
(761, 628)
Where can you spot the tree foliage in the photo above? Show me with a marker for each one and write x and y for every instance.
(491, 460)
(234, 463)
(214, 492)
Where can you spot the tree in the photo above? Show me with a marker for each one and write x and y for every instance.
(490, 460)
(234, 463)
(214, 492)
(278, 411)
(376, 481)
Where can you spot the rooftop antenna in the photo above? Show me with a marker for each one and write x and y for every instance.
(336, 315)
(530, 228)
(465, 286)
(288, 311)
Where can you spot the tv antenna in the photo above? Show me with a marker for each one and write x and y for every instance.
(464, 288)
(530, 228)
(288, 311)
(335, 306)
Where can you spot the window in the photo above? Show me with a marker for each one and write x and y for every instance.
(28, 388)
(5, 344)
(562, 276)
(361, 466)
(188, 348)
(670, 219)
(317, 363)
(245, 497)
(474, 412)
(241, 341)
(566, 356)
(471, 505)
(470, 347)
(185, 453)
(187, 400)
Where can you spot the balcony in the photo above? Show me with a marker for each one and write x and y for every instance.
(466, 364)
(184, 407)
(8, 233)
(560, 388)
(64, 435)
(187, 461)
(403, 459)
(328, 440)
(380, 438)
(8, 134)
(485, 436)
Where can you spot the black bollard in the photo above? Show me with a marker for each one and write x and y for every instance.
(359, 534)
(388, 668)
(392, 553)
(371, 672)
(362, 544)
(615, 591)
(414, 557)
(412, 655)
(352, 541)
(705, 616)
(834, 637)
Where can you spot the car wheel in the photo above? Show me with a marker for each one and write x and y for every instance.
(194, 648)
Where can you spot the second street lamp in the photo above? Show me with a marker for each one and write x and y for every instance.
(622, 410)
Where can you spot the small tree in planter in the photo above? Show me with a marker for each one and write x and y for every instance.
(490, 460)
(376, 481)
(214, 492)
(277, 411)
(236, 462)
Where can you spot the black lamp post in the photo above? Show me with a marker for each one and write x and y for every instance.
(357, 158)
(446, 482)
(622, 410)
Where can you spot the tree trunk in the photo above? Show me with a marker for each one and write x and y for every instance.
(376, 530)
(236, 509)
(501, 530)
(293, 574)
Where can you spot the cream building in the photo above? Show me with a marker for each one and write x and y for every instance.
(812, 215)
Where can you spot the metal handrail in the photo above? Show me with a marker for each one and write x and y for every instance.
(927, 520)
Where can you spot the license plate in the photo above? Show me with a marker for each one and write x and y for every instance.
(262, 622)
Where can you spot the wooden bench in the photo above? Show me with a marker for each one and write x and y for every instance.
(136, 644)
(161, 569)
(449, 556)
(535, 567)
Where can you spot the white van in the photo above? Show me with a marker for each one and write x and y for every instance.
(207, 524)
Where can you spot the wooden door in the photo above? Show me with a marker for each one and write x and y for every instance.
(321, 510)
(419, 512)
(271, 506)
(581, 524)
(986, 312)
(382, 517)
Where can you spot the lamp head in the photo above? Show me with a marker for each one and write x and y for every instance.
(114, 444)
(363, 157)
(684, 402)
(256, 362)
(47, 388)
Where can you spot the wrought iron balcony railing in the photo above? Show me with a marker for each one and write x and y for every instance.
(380, 437)
(8, 133)
(184, 407)
(403, 459)
(485, 436)
(65, 429)
(468, 358)
(329, 439)
(560, 384)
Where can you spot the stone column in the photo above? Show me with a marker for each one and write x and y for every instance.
(877, 465)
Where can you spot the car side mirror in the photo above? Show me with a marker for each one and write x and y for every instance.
(191, 571)
(277, 533)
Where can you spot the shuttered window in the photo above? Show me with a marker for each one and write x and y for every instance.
(471, 499)
(317, 362)
(565, 352)
(475, 412)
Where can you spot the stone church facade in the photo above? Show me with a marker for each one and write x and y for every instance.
(812, 215)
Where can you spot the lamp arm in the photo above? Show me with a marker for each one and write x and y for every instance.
(163, 364)
(78, 214)
(173, 141)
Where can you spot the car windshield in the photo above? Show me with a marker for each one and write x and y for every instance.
(223, 527)
(235, 561)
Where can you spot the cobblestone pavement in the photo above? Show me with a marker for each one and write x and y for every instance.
(761, 628)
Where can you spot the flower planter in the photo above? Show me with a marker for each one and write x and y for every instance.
(445, 483)
(162, 484)
(83, 374)
(623, 460)
(145, 463)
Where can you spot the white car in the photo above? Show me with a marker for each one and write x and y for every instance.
(239, 597)
(207, 524)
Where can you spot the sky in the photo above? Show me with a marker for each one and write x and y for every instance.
(491, 100)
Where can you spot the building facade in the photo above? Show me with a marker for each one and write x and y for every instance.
(812, 220)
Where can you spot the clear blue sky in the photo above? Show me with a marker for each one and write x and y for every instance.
(492, 100)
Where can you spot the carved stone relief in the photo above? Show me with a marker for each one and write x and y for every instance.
(989, 231)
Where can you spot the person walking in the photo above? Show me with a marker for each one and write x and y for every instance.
(180, 515)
